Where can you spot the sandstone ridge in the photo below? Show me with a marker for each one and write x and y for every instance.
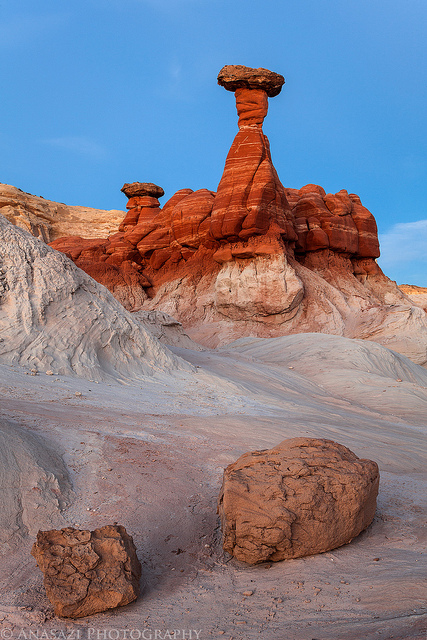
(49, 220)
(418, 295)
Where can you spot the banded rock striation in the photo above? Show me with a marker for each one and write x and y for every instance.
(304, 496)
(253, 258)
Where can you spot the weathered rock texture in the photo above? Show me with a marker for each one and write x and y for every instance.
(418, 295)
(86, 572)
(304, 496)
(236, 76)
(253, 258)
(166, 329)
(50, 220)
(34, 485)
(135, 189)
(54, 316)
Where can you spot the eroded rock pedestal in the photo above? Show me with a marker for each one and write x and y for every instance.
(86, 572)
(253, 258)
(304, 496)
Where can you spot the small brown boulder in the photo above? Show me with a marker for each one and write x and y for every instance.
(305, 496)
(86, 572)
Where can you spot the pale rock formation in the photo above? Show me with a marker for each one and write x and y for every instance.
(304, 496)
(34, 485)
(166, 329)
(346, 367)
(263, 286)
(53, 316)
(86, 572)
(333, 302)
(417, 295)
(51, 220)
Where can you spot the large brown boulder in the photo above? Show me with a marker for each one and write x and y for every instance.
(305, 496)
(86, 572)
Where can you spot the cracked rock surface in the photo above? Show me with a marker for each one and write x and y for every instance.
(86, 572)
(303, 497)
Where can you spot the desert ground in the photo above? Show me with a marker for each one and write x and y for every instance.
(149, 453)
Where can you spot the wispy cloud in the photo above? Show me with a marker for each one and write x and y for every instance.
(79, 144)
(22, 29)
(405, 241)
(175, 78)
(175, 71)
(404, 252)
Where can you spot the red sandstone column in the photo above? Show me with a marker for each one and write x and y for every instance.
(250, 197)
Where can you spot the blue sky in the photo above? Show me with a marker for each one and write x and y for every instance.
(96, 93)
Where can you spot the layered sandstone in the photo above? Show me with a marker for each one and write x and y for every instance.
(50, 220)
(86, 572)
(418, 295)
(304, 496)
(253, 258)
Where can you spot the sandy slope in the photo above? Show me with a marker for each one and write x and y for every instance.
(54, 317)
(150, 455)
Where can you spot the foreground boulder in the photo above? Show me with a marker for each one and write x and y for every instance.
(86, 572)
(304, 496)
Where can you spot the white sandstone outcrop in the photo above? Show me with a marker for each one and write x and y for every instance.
(263, 286)
(53, 316)
(218, 311)
(166, 329)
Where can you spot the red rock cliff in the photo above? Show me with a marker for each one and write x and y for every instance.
(253, 258)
